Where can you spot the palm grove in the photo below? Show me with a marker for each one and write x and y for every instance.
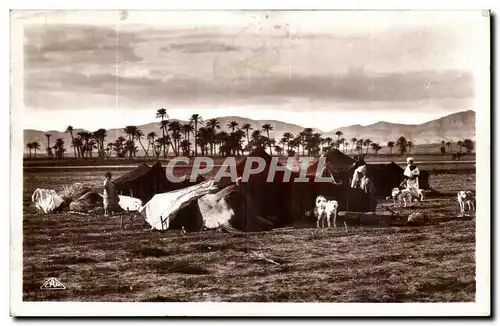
(173, 137)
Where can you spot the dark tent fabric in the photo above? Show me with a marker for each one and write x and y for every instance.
(423, 180)
(268, 199)
(336, 165)
(384, 177)
(250, 214)
(144, 182)
(335, 161)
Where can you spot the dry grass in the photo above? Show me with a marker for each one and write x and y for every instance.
(97, 261)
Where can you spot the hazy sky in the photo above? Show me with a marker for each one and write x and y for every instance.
(315, 69)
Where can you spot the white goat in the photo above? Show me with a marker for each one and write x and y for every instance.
(466, 197)
(326, 209)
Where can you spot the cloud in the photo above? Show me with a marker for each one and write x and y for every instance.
(200, 47)
(140, 65)
(355, 86)
(72, 44)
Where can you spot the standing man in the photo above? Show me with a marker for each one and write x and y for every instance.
(110, 196)
(357, 176)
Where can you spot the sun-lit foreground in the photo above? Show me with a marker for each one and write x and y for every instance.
(97, 261)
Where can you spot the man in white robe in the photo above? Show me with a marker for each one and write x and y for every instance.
(412, 173)
(359, 173)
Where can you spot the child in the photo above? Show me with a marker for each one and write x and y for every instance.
(110, 198)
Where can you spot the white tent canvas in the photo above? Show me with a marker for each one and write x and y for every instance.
(128, 203)
(215, 208)
(46, 200)
(163, 208)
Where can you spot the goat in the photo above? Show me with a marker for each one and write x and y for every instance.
(466, 197)
(406, 195)
(326, 209)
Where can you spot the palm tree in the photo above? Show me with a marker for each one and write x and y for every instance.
(78, 146)
(99, 136)
(203, 137)
(175, 128)
(306, 136)
(328, 141)
(353, 140)
(162, 143)
(30, 147)
(130, 132)
(138, 135)
(187, 129)
(164, 126)
(346, 145)
(151, 140)
(195, 120)
(287, 137)
(186, 147)
(222, 138)
(410, 145)
(338, 134)
(49, 149)
(257, 140)
(367, 143)
(402, 144)
(375, 147)
(119, 147)
(90, 147)
(247, 127)
(70, 130)
(36, 146)
(88, 144)
(360, 142)
(130, 148)
(212, 125)
(359, 146)
(342, 142)
(267, 128)
(390, 144)
(162, 113)
(232, 125)
(59, 148)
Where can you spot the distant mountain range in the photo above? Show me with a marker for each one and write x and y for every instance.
(453, 127)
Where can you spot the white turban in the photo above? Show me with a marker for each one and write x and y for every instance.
(410, 159)
(361, 169)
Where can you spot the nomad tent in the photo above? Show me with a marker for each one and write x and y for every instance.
(254, 205)
(144, 182)
(269, 200)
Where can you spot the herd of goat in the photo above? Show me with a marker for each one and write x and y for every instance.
(326, 210)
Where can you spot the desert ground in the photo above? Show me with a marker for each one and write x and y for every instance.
(98, 261)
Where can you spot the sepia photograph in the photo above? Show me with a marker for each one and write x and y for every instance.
(174, 158)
